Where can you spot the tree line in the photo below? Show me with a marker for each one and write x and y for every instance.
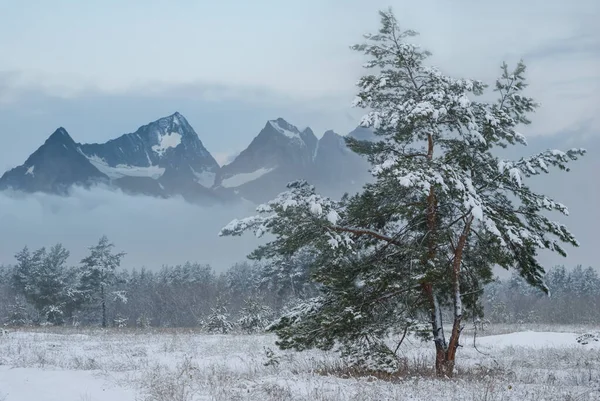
(42, 288)
(574, 298)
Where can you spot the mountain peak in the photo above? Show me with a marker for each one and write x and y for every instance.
(60, 136)
(165, 152)
(281, 121)
(54, 167)
(175, 122)
(331, 140)
(176, 117)
(285, 128)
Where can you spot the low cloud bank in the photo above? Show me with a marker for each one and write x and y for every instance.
(151, 231)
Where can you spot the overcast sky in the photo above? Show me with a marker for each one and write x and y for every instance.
(103, 68)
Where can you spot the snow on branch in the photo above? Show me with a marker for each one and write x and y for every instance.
(537, 164)
(292, 212)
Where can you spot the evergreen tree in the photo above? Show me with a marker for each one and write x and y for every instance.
(26, 264)
(576, 281)
(98, 273)
(241, 281)
(590, 282)
(254, 316)
(45, 281)
(219, 320)
(443, 210)
(18, 313)
(557, 281)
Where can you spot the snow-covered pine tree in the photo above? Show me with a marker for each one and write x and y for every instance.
(557, 281)
(591, 282)
(45, 280)
(254, 316)
(98, 273)
(219, 319)
(19, 313)
(577, 281)
(241, 282)
(26, 264)
(444, 208)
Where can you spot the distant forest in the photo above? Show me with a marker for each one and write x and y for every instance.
(40, 288)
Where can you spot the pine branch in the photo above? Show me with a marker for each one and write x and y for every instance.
(363, 231)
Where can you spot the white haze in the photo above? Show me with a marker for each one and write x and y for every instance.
(151, 231)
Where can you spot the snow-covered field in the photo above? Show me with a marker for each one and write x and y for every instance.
(179, 365)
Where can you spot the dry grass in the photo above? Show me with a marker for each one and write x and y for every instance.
(185, 365)
(497, 328)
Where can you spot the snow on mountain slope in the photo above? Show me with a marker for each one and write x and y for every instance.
(243, 178)
(281, 153)
(166, 141)
(167, 151)
(278, 154)
(169, 143)
(286, 129)
(204, 178)
(122, 170)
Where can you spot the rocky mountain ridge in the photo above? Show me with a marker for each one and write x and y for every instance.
(167, 158)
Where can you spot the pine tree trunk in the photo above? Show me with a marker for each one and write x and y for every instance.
(446, 354)
(103, 307)
(444, 361)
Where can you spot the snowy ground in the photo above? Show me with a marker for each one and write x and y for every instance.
(94, 365)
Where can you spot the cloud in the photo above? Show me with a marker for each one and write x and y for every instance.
(151, 231)
(581, 45)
